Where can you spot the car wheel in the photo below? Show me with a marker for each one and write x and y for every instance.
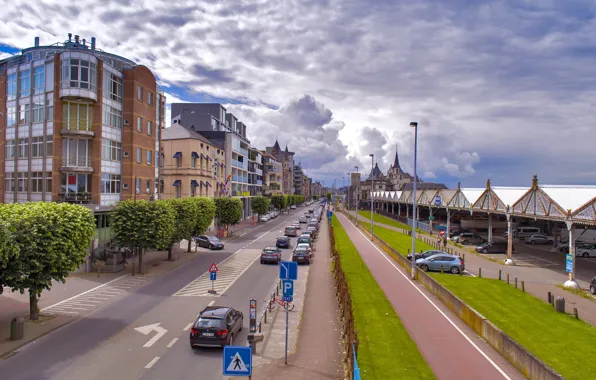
(485, 251)
(210, 246)
(550, 242)
(455, 270)
(593, 289)
(532, 242)
(424, 267)
(262, 262)
(585, 254)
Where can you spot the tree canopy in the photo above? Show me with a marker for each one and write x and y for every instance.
(228, 210)
(186, 210)
(260, 205)
(279, 201)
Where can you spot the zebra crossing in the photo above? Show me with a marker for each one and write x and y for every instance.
(228, 271)
(86, 302)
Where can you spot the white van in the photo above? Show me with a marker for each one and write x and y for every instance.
(524, 232)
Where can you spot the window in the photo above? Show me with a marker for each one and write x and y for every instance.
(11, 90)
(179, 162)
(149, 98)
(50, 109)
(214, 124)
(140, 93)
(49, 146)
(23, 148)
(39, 83)
(38, 112)
(111, 150)
(161, 185)
(37, 146)
(139, 124)
(10, 149)
(149, 127)
(75, 183)
(112, 117)
(11, 116)
(78, 116)
(37, 182)
(9, 182)
(193, 190)
(179, 190)
(75, 152)
(138, 185)
(139, 155)
(112, 86)
(110, 183)
(24, 114)
(22, 182)
(193, 162)
(25, 81)
(149, 155)
(79, 73)
(48, 182)
(148, 184)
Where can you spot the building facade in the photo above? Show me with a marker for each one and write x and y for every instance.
(317, 189)
(192, 166)
(273, 182)
(255, 172)
(286, 158)
(82, 125)
(298, 180)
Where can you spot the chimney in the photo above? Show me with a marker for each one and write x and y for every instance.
(84, 42)
(36, 41)
(76, 38)
(69, 37)
(92, 43)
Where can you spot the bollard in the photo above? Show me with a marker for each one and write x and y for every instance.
(523, 286)
(133, 267)
(575, 313)
(17, 328)
(516, 283)
(98, 271)
(479, 272)
(560, 304)
(441, 269)
(499, 275)
(265, 318)
(550, 297)
(507, 278)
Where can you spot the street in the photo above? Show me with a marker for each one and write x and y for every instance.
(145, 334)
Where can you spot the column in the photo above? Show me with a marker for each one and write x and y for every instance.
(509, 260)
(490, 227)
(448, 232)
(571, 283)
(407, 211)
(398, 210)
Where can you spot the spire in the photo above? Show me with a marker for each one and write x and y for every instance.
(287, 148)
(396, 162)
(276, 146)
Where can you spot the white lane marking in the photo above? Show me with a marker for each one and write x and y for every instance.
(211, 303)
(172, 342)
(435, 306)
(85, 292)
(152, 362)
(243, 234)
(188, 327)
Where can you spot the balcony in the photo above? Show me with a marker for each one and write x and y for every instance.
(243, 152)
(259, 182)
(76, 164)
(76, 130)
(78, 198)
(259, 171)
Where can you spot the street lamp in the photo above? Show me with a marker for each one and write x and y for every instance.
(372, 192)
(357, 192)
(348, 191)
(414, 215)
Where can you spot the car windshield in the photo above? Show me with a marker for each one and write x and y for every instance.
(282, 238)
(208, 322)
(303, 241)
(212, 238)
(269, 251)
(301, 252)
(289, 228)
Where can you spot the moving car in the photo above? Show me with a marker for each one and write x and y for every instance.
(301, 256)
(282, 242)
(271, 255)
(538, 239)
(494, 247)
(426, 254)
(296, 224)
(211, 242)
(216, 326)
(449, 263)
(264, 218)
(302, 219)
(291, 231)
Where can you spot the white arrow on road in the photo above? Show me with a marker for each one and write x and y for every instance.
(154, 327)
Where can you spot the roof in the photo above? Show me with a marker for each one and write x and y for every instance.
(570, 197)
(375, 173)
(215, 311)
(179, 132)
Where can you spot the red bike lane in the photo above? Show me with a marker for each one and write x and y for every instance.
(452, 349)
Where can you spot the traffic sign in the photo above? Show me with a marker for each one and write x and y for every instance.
(212, 276)
(288, 270)
(288, 298)
(288, 288)
(569, 263)
(213, 268)
(237, 361)
(438, 200)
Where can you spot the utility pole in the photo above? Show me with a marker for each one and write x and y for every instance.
(414, 218)
(372, 192)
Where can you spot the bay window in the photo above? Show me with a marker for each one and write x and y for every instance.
(25, 82)
(11, 90)
(39, 82)
(76, 183)
(78, 116)
(110, 183)
(76, 152)
(79, 73)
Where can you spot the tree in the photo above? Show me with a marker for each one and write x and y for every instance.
(329, 197)
(52, 240)
(259, 205)
(205, 213)
(142, 224)
(279, 201)
(9, 250)
(228, 211)
(186, 218)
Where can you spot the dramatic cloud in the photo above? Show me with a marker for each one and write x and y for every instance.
(501, 89)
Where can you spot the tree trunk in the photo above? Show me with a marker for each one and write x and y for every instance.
(33, 309)
(140, 255)
(189, 243)
(170, 257)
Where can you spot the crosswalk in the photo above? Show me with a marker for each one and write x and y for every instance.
(85, 303)
(228, 271)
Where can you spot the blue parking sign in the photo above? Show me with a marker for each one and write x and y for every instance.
(212, 276)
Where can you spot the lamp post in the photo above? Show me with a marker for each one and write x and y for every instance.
(357, 192)
(372, 192)
(414, 221)
(348, 191)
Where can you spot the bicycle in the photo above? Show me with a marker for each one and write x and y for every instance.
(282, 303)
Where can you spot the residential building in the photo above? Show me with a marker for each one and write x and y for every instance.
(298, 180)
(82, 125)
(255, 172)
(317, 189)
(286, 158)
(192, 166)
(273, 183)
(307, 187)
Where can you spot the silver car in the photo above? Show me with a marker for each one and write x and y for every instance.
(448, 263)
(538, 239)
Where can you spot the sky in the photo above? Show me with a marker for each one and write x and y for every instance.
(500, 89)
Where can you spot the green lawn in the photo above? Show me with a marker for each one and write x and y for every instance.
(560, 340)
(386, 350)
(378, 218)
(400, 242)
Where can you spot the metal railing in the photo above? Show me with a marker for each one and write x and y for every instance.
(76, 162)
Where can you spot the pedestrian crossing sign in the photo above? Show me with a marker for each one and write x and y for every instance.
(237, 361)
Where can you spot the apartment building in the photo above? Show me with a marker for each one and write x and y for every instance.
(255, 172)
(82, 125)
(272, 174)
(192, 165)
(287, 161)
(298, 180)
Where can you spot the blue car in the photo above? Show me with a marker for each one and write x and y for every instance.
(449, 263)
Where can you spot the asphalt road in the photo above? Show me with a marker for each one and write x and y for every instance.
(105, 344)
(451, 348)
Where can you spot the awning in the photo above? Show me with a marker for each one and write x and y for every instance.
(202, 184)
(194, 183)
(178, 155)
(209, 158)
(208, 184)
(203, 156)
(195, 155)
(177, 182)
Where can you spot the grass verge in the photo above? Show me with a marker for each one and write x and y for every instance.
(378, 218)
(558, 339)
(386, 350)
(400, 242)
(580, 292)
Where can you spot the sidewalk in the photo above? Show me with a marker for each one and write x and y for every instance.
(318, 354)
(538, 281)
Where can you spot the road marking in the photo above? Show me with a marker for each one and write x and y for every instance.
(188, 327)
(152, 362)
(172, 342)
(80, 294)
(211, 303)
(390, 261)
(243, 234)
(148, 329)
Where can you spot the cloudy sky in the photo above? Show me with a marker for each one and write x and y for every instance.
(501, 89)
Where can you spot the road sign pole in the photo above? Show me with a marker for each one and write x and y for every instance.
(287, 323)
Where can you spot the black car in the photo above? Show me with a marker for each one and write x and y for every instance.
(301, 256)
(216, 326)
(282, 242)
(593, 286)
(271, 255)
(494, 247)
(425, 254)
(210, 242)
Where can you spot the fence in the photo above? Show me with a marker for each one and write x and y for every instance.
(349, 335)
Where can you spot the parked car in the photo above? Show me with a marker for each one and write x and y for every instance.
(263, 218)
(302, 219)
(303, 246)
(306, 239)
(282, 242)
(271, 255)
(538, 239)
(291, 231)
(467, 238)
(211, 242)
(313, 231)
(216, 326)
(296, 225)
(313, 224)
(426, 254)
(494, 247)
(593, 286)
(301, 255)
(585, 250)
(450, 263)
(292, 207)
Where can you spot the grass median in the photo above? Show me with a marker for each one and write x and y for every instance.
(378, 218)
(402, 243)
(386, 350)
